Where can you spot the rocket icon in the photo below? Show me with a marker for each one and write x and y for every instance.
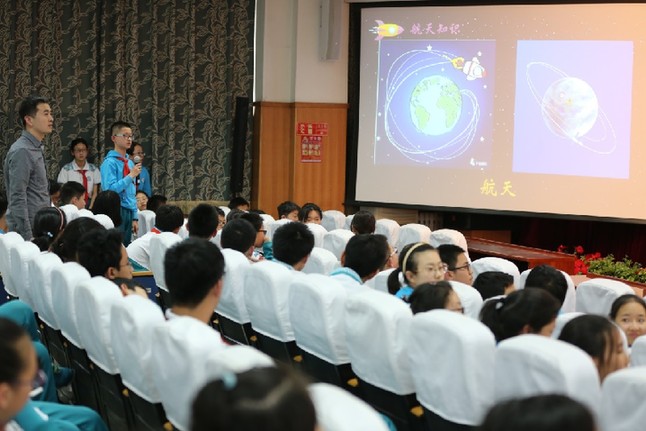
(386, 30)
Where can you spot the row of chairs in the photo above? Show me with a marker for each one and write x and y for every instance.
(128, 358)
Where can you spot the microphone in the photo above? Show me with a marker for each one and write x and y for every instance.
(137, 160)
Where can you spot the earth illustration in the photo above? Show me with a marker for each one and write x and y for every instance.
(570, 107)
(435, 105)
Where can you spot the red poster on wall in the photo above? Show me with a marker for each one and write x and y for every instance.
(311, 148)
(318, 129)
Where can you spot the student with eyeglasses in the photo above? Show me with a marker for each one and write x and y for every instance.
(457, 262)
(419, 263)
(119, 174)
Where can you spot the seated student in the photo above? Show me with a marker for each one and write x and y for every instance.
(310, 213)
(222, 218)
(239, 235)
(494, 283)
(419, 263)
(18, 372)
(169, 218)
(457, 262)
(102, 253)
(548, 278)
(193, 272)
(262, 246)
(539, 413)
(202, 222)
(527, 311)
(292, 245)
(66, 243)
(81, 171)
(599, 338)
(268, 399)
(73, 193)
(363, 222)
(108, 202)
(234, 214)
(54, 192)
(239, 203)
(48, 223)
(629, 313)
(155, 201)
(142, 200)
(3, 213)
(288, 210)
(363, 257)
(440, 295)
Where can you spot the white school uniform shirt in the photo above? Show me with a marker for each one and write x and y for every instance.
(70, 172)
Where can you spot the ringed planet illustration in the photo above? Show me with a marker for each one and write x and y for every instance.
(571, 110)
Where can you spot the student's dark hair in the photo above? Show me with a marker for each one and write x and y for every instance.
(306, 209)
(117, 126)
(3, 204)
(257, 211)
(234, 214)
(492, 283)
(234, 203)
(66, 243)
(131, 283)
(407, 262)
(77, 141)
(271, 399)
(427, 296)
(29, 107)
(168, 218)
(239, 235)
(253, 218)
(191, 268)
(220, 212)
(623, 300)
(108, 202)
(548, 278)
(506, 317)
(156, 201)
(54, 187)
(98, 250)
(130, 151)
(285, 208)
(202, 221)
(143, 193)
(539, 413)
(292, 242)
(449, 254)
(12, 364)
(70, 190)
(366, 253)
(591, 333)
(48, 222)
(363, 222)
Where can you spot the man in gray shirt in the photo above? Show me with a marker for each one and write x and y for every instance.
(25, 176)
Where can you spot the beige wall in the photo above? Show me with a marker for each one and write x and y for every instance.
(288, 68)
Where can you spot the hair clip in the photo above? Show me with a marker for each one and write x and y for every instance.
(500, 303)
(229, 380)
(49, 234)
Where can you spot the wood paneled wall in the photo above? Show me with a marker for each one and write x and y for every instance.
(278, 172)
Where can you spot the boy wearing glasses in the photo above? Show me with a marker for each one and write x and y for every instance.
(459, 267)
(119, 174)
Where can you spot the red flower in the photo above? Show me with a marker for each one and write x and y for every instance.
(561, 248)
(578, 249)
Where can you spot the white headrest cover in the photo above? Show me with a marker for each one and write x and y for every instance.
(638, 352)
(455, 357)
(338, 410)
(41, 273)
(316, 304)
(336, 240)
(390, 229)
(411, 233)
(622, 400)
(266, 295)
(158, 246)
(318, 231)
(333, 219)
(65, 280)
(469, 297)
(561, 320)
(104, 221)
(133, 320)
(449, 236)
(376, 327)
(232, 304)
(321, 261)
(485, 264)
(531, 364)
(597, 295)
